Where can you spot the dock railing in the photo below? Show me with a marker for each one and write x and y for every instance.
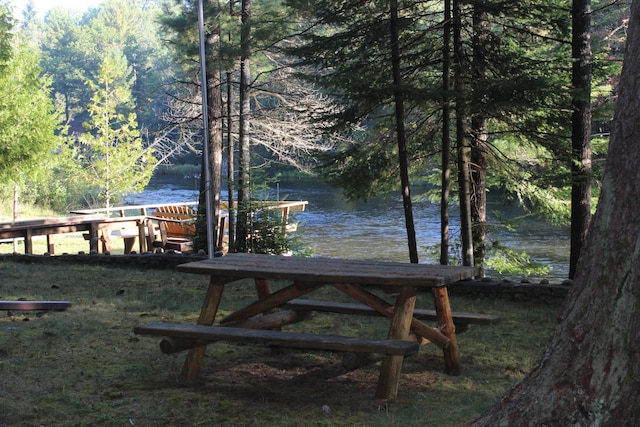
(127, 222)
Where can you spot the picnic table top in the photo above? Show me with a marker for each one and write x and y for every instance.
(330, 270)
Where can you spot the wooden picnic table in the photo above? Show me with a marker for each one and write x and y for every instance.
(261, 320)
(97, 226)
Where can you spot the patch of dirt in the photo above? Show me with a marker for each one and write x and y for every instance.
(315, 380)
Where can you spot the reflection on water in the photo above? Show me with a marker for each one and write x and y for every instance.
(375, 229)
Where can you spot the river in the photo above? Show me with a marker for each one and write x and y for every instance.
(334, 227)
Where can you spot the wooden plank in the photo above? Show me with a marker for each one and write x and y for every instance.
(270, 301)
(330, 270)
(279, 338)
(383, 307)
(170, 345)
(459, 318)
(34, 305)
(272, 320)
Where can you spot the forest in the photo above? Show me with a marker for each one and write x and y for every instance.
(371, 96)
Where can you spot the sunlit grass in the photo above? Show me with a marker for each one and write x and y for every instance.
(83, 366)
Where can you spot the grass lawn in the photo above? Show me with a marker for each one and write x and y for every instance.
(84, 366)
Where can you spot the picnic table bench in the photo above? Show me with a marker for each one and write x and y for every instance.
(261, 321)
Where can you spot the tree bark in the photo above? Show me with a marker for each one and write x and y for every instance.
(401, 134)
(462, 139)
(230, 165)
(215, 114)
(446, 135)
(479, 137)
(242, 227)
(590, 370)
(581, 130)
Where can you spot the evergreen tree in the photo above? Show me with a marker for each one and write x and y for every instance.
(112, 152)
(28, 121)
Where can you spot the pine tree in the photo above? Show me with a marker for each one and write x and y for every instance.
(112, 152)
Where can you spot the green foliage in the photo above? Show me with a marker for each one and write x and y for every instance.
(73, 47)
(114, 158)
(28, 121)
(499, 258)
(6, 37)
(268, 233)
(508, 261)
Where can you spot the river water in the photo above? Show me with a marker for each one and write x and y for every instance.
(334, 227)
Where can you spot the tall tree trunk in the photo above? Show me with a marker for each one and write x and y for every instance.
(590, 370)
(446, 135)
(231, 151)
(230, 165)
(581, 130)
(479, 138)
(214, 124)
(401, 134)
(462, 139)
(242, 228)
(215, 113)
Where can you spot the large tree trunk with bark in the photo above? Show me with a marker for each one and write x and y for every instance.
(214, 116)
(581, 130)
(590, 370)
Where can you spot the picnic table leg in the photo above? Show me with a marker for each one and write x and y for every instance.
(142, 236)
(50, 246)
(94, 239)
(445, 321)
(399, 330)
(28, 243)
(262, 288)
(207, 316)
(106, 241)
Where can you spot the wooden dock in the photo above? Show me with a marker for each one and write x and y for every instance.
(99, 226)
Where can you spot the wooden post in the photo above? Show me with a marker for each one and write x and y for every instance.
(94, 237)
(262, 288)
(445, 320)
(399, 330)
(50, 247)
(151, 235)
(28, 244)
(105, 240)
(142, 235)
(207, 316)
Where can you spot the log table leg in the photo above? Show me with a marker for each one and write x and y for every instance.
(445, 320)
(207, 316)
(262, 288)
(142, 236)
(28, 243)
(399, 330)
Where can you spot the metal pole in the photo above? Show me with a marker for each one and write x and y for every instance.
(205, 127)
